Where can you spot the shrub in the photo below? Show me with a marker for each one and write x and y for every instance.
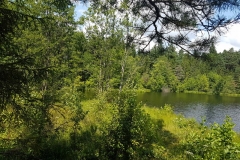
(216, 143)
(130, 135)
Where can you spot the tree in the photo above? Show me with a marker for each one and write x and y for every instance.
(111, 46)
(17, 66)
(212, 49)
(33, 55)
(162, 76)
(231, 60)
(175, 21)
(203, 83)
(171, 52)
(13, 65)
(130, 135)
(216, 82)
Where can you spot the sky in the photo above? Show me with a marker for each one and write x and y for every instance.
(80, 8)
(231, 39)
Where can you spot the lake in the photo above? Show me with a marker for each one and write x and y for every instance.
(212, 107)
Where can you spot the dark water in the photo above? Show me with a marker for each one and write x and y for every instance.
(212, 108)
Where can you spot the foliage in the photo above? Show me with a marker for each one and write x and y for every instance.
(130, 135)
(216, 82)
(203, 84)
(216, 143)
(47, 64)
(180, 18)
(162, 76)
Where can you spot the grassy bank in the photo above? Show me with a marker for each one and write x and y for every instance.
(119, 128)
(177, 137)
(210, 93)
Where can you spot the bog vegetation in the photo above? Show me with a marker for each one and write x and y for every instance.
(47, 64)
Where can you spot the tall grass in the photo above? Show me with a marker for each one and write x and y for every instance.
(86, 139)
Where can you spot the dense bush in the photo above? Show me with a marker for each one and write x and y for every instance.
(215, 143)
(130, 134)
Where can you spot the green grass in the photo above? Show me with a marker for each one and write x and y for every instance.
(176, 124)
(172, 129)
(210, 93)
(175, 127)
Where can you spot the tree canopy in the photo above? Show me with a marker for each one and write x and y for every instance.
(17, 64)
(188, 24)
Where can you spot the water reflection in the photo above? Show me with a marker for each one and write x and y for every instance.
(212, 108)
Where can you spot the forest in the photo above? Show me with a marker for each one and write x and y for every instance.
(49, 61)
